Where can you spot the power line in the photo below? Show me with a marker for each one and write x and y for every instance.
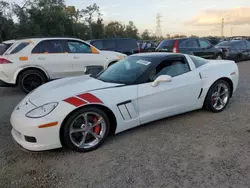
(158, 25)
(222, 27)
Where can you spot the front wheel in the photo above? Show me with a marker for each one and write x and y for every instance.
(86, 129)
(218, 96)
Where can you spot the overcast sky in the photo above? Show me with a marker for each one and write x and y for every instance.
(200, 17)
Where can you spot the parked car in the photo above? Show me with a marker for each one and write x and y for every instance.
(80, 113)
(126, 46)
(237, 50)
(29, 63)
(193, 46)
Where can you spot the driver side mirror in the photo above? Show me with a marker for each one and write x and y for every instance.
(161, 78)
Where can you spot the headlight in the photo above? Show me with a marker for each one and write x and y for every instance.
(42, 111)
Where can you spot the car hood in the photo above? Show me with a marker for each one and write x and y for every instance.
(58, 90)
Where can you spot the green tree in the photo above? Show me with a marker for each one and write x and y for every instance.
(115, 29)
(89, 13)
(131, 30)
(145, 35)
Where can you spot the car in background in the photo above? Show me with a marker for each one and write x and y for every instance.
(126, 46)
(29, 63)
(4, 46)
(237, 50)
(192, 46)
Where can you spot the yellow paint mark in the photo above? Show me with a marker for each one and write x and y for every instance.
(48, 125)
(94, 50)
(23, 58)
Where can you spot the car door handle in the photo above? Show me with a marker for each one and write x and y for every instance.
(75, 57)
(41, 58)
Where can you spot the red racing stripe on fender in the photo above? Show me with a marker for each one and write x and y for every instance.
(90, 98)
(75, 101)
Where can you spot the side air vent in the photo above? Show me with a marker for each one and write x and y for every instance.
(127, 110)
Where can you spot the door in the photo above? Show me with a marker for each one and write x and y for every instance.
(190, 46)
(53, 57)
(82, 56)
(169, 98)
(207, 50)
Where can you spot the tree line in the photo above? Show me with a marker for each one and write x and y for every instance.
(55, 18)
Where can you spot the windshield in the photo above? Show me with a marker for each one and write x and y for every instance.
(4, 47)
(126, 71)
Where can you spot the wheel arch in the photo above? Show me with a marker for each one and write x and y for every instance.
(110, 114)
(20, 71)
(228, 80)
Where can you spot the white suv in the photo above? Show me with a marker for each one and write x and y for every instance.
(29, 63)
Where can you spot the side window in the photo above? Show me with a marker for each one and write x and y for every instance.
(17, 48)
(248, 44)
(109, 44)
(172, 67)
(184, 44)
(98, 44)
(203, 43)
(243, 45)
(122, 45)
(49, 46)
(78, 47)
(193, 43)
(198, 61)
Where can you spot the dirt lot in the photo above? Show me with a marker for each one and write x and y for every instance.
(196, 150)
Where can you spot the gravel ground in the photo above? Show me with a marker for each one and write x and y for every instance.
(194, 150)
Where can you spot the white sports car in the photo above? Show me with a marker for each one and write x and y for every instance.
(80, 112)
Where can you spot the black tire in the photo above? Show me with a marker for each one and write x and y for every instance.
(219, 56)
(66, 128)
(208, 100)
(36, 77)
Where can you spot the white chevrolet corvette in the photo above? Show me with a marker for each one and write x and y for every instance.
(80, 112)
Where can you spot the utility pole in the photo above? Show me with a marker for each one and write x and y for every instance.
(158, 25)
(222, 27)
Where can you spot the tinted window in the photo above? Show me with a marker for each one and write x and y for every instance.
(198, 61)
(17, 47)
(204, 43)
(184, 44)
(126, 44)
(248, 44)
(98, 44)
(78, 47)
(166, 44)
(108, 44)
(172, 68)
(243, 45)
(4, 48)
(193, 43)
(50, 46)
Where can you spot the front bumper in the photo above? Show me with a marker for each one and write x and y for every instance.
(26, 133)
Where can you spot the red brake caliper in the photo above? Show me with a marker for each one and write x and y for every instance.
(97, 128)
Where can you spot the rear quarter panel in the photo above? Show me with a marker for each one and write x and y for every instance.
(217, 69)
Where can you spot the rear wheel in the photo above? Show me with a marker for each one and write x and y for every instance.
(30, 80)
(218, 96)
(238, 59)
(86, 129)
